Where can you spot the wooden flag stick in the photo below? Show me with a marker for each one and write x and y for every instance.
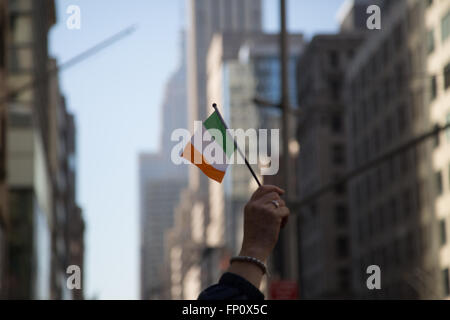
(237, 147)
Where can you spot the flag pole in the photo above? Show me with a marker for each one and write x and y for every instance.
(237, 147)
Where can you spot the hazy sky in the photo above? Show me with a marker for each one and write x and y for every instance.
(116, 97)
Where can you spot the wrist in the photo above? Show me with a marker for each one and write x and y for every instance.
(247, 270)
(246, 259)
(254, 253)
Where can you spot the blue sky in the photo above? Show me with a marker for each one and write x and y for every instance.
(116, 97)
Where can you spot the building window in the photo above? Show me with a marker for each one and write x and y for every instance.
(342, 247)
(393, 210)
(350, 54)
(442, 232)
(334, 59)
(439, 183)
(335, 87)
(446, 282)
(379, 180)
(449, 172)
(430, 41)
(21, 27)
(410, 242)
(445, 26)
(387, 90)
(447, 76)
(398, 36)
(391, 169)
(355, 123)
(338, 154)
(336, 123)
(407, 206)
(20, 60)
(433, 88)
(404, 158)
(388, 131)
(341, 217)
(448, 130)
(402, 118)
(437, 140)
(376, 141)
(375, 105)
(340, 188)
(400, 76)
(344, 279)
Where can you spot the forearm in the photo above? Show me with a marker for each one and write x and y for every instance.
(247, 270)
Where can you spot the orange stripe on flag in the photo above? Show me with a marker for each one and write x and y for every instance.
(190, 153)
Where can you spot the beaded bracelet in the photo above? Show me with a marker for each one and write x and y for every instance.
(255, 261)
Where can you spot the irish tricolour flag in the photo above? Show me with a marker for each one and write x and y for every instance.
(211, 148)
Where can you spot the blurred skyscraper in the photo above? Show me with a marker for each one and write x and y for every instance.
(324, 226)
(3, 116)
(40, 151)
(160, 185)
(29, 182)
(437, 24)
(67, 227)
(393, 205)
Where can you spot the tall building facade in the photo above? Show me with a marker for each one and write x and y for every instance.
(437, 23)
(324, 235)
(159, 195)
(67, 225)
(161, 183)
(29, 182)
(40, 166)
(392, 206)
(3, 118)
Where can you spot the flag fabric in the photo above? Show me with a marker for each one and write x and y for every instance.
(208, 153)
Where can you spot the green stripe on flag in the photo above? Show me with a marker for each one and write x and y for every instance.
(214, 122)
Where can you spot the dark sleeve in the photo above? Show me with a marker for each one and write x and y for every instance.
(232, 287)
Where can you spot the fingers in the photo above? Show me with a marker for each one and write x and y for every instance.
(266, 189)
(282, 203)
(269, 197)
(283, 212)
(273, 196)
